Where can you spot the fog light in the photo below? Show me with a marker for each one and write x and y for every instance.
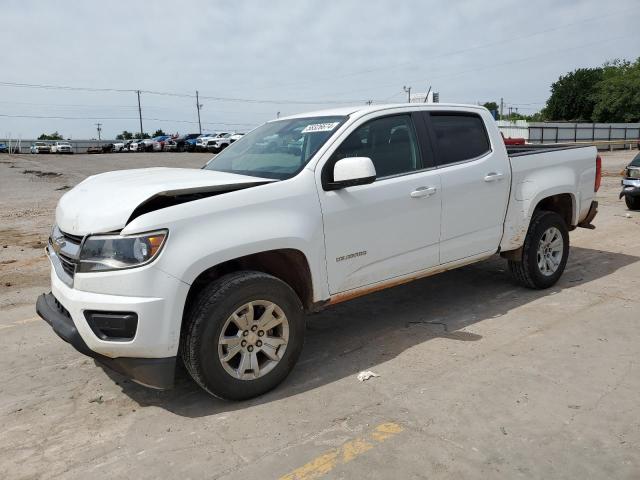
(113, 326)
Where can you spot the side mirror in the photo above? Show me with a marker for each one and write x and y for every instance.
(349, 172)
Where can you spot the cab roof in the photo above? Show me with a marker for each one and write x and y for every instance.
(365, 109)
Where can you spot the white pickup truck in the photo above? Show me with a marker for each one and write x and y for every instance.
(217, 267)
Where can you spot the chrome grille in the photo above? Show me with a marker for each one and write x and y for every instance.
(68, 265)
(65, 253)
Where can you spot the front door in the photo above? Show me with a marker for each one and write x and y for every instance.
(388, 228)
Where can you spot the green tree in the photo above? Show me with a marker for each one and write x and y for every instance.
(158, 133)
(617, 95)
(124, 135)
(572, 95)
(141, 135)
(51, 136)
(491, 106)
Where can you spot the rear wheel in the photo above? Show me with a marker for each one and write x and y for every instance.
(243, 336)
(544, 253)
(633, 203)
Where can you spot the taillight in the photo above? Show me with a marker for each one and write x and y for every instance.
(596, 185)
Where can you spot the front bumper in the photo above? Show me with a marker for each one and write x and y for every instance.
(155, 297)
(630, 187)
(151, 372)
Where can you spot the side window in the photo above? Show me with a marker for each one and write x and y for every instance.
(390, 142)
(459, 137)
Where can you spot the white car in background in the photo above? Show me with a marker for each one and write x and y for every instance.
(136, 146)
(202, 143)
(61, 147)
(40, 147)
(219, 142)
(118, 146)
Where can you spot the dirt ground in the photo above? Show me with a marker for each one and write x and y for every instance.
(478, 378)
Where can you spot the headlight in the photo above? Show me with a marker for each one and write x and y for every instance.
(115, 252)
(633, 172)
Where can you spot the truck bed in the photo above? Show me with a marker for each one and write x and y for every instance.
(539, 171)
(531, 149)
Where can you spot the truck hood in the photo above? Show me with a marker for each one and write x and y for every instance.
(107, 202)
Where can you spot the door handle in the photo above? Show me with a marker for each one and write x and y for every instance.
(493, 176)
(423, 192)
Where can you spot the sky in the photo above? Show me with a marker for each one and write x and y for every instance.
(253, 60)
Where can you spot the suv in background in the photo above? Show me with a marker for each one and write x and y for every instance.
(631, 184)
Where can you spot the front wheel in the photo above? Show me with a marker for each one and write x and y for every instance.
(544, 253)
(633, 203)
(243, 335)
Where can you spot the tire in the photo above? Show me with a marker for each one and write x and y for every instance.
(212, 315)
(528, 272)
(633, 203)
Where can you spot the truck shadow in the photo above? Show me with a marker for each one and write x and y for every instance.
(358, 335)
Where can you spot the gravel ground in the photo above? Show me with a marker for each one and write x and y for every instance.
(478, 377)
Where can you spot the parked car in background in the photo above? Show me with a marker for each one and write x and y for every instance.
(40, 147)
(118, 146)
(631, 184)
(191, 145)
(219, 143)
(127, 144)
(202, 142)
(215, 268)
(170, 145)
(61, 147)
(157, 144)
(512, 140)
(4, 148)
(236, 136)
(136, 146)
(181, 141)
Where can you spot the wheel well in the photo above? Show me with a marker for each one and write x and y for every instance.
(288, 265)
(562, 204)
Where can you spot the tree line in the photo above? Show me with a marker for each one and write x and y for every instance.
(607, 94)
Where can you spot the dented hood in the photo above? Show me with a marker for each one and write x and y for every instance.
(106, 202)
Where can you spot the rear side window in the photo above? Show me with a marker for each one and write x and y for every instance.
(459, 137)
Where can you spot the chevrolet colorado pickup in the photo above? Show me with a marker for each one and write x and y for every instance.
(217, 267)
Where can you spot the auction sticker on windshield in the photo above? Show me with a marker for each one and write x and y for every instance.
(320, 127)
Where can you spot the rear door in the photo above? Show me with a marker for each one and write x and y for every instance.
(390, 227)
(475, 178)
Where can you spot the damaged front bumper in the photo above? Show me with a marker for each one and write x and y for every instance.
(151, 372)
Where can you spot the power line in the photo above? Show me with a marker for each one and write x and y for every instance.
(176, 94)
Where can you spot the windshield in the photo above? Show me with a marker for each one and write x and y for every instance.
(636, 161)
(277, 149)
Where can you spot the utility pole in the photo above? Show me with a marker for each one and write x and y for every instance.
(140, 114)
(408, 91)
(99, 128)
(277, 114)
(426, 97)
(198, 107)
(501, 106)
